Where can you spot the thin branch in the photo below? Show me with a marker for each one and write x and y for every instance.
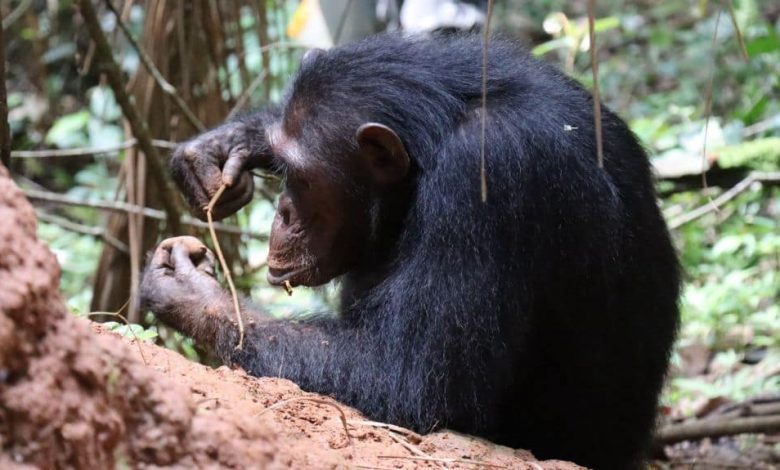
(342, 23)
(594, 66)
(87, 151)
(114, 75)
(409, 434)
(5, 132)
(287, 45)
(761, 126)
(148, 64)
(717, 428)
(246, 94)
(485, 43)
(708, 103)
(17, 13)
(413, 449)
(75, 227)
(442, 460)
(713, 205)
(738, 31)
(225, 267)
(149, 213)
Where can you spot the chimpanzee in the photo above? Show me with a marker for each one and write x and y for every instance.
(541, 318)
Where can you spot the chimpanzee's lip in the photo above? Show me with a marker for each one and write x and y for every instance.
(278, 276)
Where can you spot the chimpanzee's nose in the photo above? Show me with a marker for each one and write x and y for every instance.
(286, 211)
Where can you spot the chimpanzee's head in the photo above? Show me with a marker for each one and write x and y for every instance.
(327, 210)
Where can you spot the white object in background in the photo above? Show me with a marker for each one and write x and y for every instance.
(429, 15)
(307, 26)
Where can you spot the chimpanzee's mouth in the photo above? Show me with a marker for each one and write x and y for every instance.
(278, 276)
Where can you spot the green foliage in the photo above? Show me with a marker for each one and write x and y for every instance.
(77, 255)
(132, 330)
(730, 299)
(655, 67)
(759, 154)
(69, 130)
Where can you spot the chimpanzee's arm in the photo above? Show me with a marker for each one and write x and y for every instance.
(386, 369)
(180, 288)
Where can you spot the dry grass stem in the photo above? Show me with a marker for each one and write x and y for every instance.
(223, 264)
(119, 315)
(288, 287)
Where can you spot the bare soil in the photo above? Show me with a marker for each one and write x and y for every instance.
(73, 395)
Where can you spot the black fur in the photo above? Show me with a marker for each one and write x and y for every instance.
(542, 319)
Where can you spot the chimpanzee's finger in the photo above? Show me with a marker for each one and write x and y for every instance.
(207, 263)
(237, 190)
(244, 184)
(237, 200)
(161, 258)
(195, 166)
(191, 243)
(235, 165)
(182, 262)
(208, 175)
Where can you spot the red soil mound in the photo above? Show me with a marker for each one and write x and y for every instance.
(75, 396)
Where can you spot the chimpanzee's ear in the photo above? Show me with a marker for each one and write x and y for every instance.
(383, 153)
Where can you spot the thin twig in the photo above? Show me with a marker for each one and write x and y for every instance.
(391, 427)
(738, 31)
(485, 43)
(761, 126)
(148, 64)
(713, 205)
(708, 104)
(87, 151)
(413, 449)
(318, 401)
(17, 13)
(5, 131)
(245, 95)
(76, 227)
(441, 460)
(594, 66)
(342, 23)
(149, 213)
(119, 315)
(140, 130)
(716, 428)
(223, 263)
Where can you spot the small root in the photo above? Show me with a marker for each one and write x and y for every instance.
(119, 315)
(318, 401)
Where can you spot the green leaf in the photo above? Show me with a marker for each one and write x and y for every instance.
(545, 47)
(69, 130)
(763, 45)
(102, 104)
(605, 24)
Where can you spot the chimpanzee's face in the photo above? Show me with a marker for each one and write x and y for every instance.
(322, 224)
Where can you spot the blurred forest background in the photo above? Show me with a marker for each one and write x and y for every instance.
(99, 92)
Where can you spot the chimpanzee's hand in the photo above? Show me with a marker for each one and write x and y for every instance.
(179, 286)
(219, 156)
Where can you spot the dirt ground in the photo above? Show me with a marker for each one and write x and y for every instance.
(73, 395)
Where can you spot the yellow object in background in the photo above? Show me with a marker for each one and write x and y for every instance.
(307, 25)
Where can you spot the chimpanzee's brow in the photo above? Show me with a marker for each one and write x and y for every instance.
(279, 165)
